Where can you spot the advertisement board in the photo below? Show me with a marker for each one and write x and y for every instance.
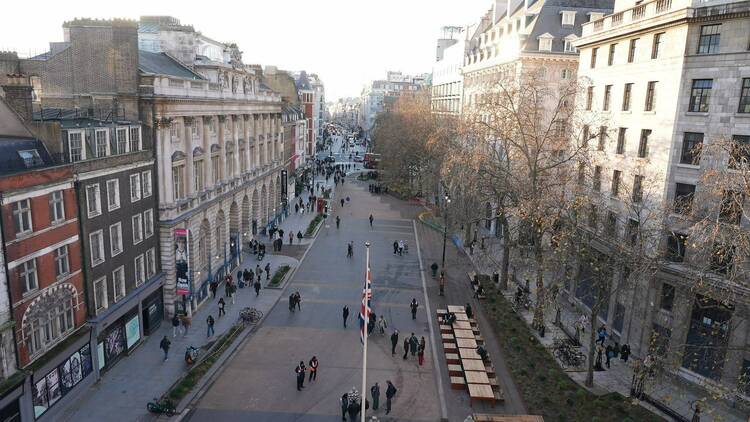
(182, 261)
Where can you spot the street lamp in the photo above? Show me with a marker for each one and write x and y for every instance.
(445, 227)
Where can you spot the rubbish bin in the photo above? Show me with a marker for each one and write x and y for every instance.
(495, 277)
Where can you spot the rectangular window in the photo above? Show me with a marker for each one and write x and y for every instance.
(178, 189)
(101, 143)
(140, 270)
(113, 194)
(135, 187)
(198, 174)
(637, 188)
(594, 51)
(75, 146)
(569, 47)
(667, 297)
(57, 206)
(643, 144)
(730, 211)
(100, 294)
(602, 138)
(626, 93)
(148, 223)
(96, 242)
(633, 50)
(676, 244)
(650, 96)
(740, 151)
(593, 217)
(568, 19)
(118, 283)
(700, 94)
(150, 263)
(607, 95)
(589, 97)
(610, 229)
(22, 216)
(27, 276)
(581, 173)
(135, 139)
(691, 146)
(115, 239)
(137, 221)
(656, 46)
(597, 185)
(616, 177)
(146, 182)
(93, 200)
(633, 231)
(621, 140)
(745, 97)
(683, 198)
(62, 262)
(215, 170)
(122, 140)
(709, 39)
(611, 57)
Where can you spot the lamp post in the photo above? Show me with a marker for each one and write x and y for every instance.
(445, 227)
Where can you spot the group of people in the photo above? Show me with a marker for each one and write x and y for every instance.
(295, 302)
(259, 249)
(608, 352)
(351, 402)
(400, 247)
(301, 369)
(411, 344)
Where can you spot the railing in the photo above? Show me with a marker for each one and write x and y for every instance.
(663, 5)
(638, 12)
(642, 11)
(617, 19)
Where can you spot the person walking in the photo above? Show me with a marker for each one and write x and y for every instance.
(441, 283)
(382, 325)
(406, 348)
(222, 304)
(601, 334)
(371, 220)
(291, 302)
(345, 314)
(469, 311)
(186, 321)
(390, 392)
(164, 345)
(400, 247)
(395, 247)
(258, 271)
(209, 326)
(175, 325)
(420, 351)
(608, 353)
(344, 405)
(291, 238)
(338, 221)
(232, 290)
(268, 270)
(212, 286)
(300, 371)
(313, 368)
(227, 285)
(375, 393)
(342, 202)
(298, 300)
(350, 250)
(256, 285)
(394, 342)
(413, 344)
(414, 305)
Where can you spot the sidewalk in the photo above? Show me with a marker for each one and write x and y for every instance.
(122, 393)
(618, 377)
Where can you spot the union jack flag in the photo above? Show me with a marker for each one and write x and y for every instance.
(364, 312)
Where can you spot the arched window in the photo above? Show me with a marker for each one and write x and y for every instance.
(49, 318)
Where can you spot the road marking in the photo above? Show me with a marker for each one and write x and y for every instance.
(313, 284)
(344, 302)
(441, 392)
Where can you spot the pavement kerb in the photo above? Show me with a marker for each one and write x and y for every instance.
(210, 378)
(287, 276)
(433, 346)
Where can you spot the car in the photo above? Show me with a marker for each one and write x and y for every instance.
(358, 159)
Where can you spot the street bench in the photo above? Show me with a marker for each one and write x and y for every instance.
(455, 370)
(445, 329)
(441, 312)
(447, 338)
(452, 359)
(458, 383)
(450, 347)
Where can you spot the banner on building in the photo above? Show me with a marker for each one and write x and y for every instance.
(182, 261)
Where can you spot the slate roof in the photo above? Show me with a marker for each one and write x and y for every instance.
(12, 162)
(162, 64)
(303, 82)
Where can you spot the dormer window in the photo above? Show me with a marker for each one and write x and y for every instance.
(569, 47)
(545, 42)
(568, 18)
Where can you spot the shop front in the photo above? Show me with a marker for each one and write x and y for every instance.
(152, 311)
(118, 339)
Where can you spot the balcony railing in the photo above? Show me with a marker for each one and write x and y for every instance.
(162, 85)
(642, 11)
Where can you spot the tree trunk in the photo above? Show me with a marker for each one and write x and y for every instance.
(592, 348)
(540, 290)
(506, 255)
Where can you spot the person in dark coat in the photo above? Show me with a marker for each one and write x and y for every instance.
(344, 405)
(414, 307)
(222, 305)
(625, 352)
(413, 344)
(608, 353)
(375, 392)
(395, 247)
(394, 342)
(389, 393)
(345, 314)
(268, 271)
(313, 368)
(256, 285)
(164, 345)
(300, 371)
(291, 302)
(469, 311)
(406, 347)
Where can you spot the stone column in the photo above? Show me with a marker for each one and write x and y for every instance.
(682, 310)
(207, 162)
(236, 127)
(164, 159)
(738, 333)
(223, 150)
(188, 144)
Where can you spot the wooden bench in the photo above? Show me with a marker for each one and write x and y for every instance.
(458, 383)
(452, 359)
(455, 370)
(475, 288)
(445, 329)
(494, 383)
(450, 347)
(479, 339)
(490, 370)
(441, 312)
(447, 338)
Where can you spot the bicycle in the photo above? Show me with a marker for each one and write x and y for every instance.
(161, 406)
(568, 354)
(250, 315)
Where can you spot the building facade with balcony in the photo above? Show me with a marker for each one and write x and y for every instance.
(672, 76)
(218, 136)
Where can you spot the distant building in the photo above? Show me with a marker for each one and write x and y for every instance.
(447, 79)
(379, 94)
(293, 117)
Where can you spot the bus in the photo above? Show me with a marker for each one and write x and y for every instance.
(371, 160)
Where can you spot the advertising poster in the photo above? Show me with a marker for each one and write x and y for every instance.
(100, 355)
(182, 261)
(133, 331)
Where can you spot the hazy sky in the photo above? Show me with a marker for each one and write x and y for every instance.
(347, 42)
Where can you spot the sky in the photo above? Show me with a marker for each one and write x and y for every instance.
(346, 42)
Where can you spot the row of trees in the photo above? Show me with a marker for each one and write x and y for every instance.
(525, 146)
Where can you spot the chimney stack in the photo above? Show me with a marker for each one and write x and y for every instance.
(17, 90)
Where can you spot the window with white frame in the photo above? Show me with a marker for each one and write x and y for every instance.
(215, 169)
(140, 270)
(101, 142)
(565, 74)
(147, 189)
(62, 261)
(135, 139)
(148, 223)
(22, 216)
(113, 194)
(57, 206)
(118, 283)
(568, 18)
(178, 186)
(569, 47)
(174, 132)
(135, 187)
(93, 200)
(198, 175)
(27, 276)
(44, 327)
(96, 242)
(122, 140)
(75, 146)
(100, 294)
(150, 262)
(115, 239)
(137, 221)
(545, 42)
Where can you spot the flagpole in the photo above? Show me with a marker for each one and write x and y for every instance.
(364, 349)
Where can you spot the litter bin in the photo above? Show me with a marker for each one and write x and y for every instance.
(495, 277)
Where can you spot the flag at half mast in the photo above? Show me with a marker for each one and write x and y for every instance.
(364, 312)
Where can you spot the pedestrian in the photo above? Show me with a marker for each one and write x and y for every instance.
(441, 283)
(296, 208)
(345, 314)
(375, 393)
(268, 270)
(313, 368)
(222, 304)
(350, 250)
(400, 247)
(291, 238)
(164, 345)
(601, 334)
(598, 364)
(256, 285)
(344, 405)
(338, 221)
(389, 393)
(413, 344)
(239, 277)
(291, 302)
(186, 321)
(414, 307)
(212, 288)
(469, 311)
(395, 247)
(300, 370)
(616, 350)
(342, 202)
(608, 352)
(420, 350)
(394, 342)
(406, 347)
(298, 300)
(382, 325)
(371, 220)
(209, 326)
(232, 290)
(227, 287)
(625, 352)
(175, 325)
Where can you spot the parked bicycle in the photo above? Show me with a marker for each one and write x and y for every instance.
(162, 406)
(568, 354)
(250, 315)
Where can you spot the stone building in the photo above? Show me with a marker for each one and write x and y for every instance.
(293, 118)
(379, 94)
(447, 79)
(671, 75)
(218, 136)
(307, 100)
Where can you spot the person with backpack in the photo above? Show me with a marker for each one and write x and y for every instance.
(222, 305)
(375, 392)
(210, 326)
(390, 392)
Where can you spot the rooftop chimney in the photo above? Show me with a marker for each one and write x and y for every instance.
(17, 90)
